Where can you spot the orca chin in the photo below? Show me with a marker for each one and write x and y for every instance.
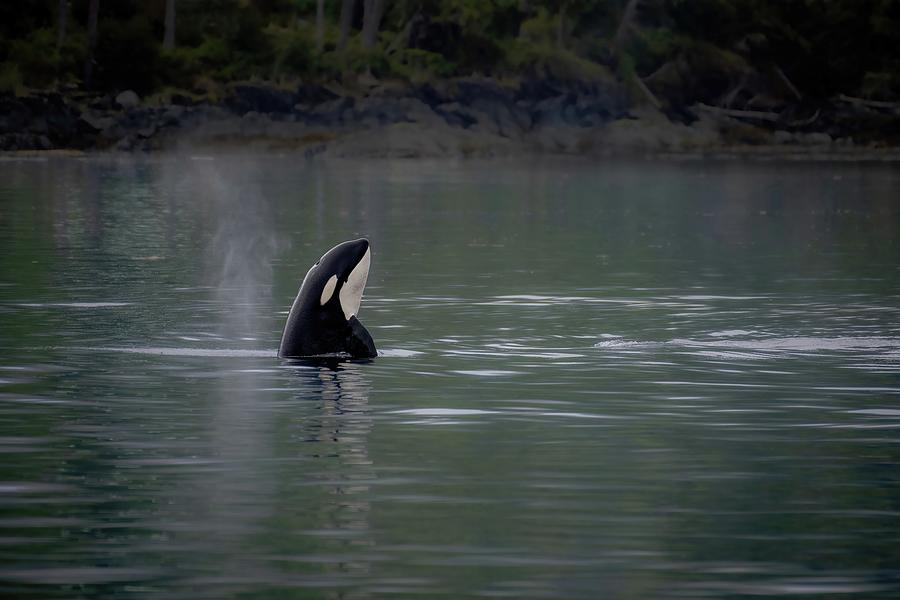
(323, 319)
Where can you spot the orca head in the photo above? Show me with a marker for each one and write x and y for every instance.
(323, 319)
(340, 277)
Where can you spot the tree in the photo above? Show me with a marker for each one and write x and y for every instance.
(626, 24)
(169, 36)
(372, 11)
(93, 13)
(320, 25)
(347, 8)
(61, 21)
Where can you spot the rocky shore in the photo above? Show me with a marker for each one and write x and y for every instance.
(471, 117)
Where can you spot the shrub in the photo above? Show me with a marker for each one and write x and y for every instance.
(293, 51)
(545, 60)
(420, 65)
(10, 78)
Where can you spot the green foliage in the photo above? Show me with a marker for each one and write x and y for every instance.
(536, 52)
(825, 47)
(37, 57)
(881, 84)
(40, 64)
(544, 60)
(10, 78)
(417, 65)
(540, 29)
(293, 50)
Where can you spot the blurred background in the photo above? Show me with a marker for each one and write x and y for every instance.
(482, 78)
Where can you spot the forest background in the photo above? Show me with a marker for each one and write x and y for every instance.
(769, 62)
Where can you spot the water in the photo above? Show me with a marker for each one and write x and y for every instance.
(631, 380)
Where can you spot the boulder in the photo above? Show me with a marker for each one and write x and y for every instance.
(172, 116)
(815, 139)
(331, 112)
(651, 131)
(313, 94)
(552, 110)
(456, 115)
(97, 121)
(379, 110)
(128, 99)
(24, 141)
(14, 115)
(477, 89)
(782, 137)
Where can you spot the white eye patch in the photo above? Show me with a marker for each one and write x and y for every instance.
(352, 290)
(328, 290)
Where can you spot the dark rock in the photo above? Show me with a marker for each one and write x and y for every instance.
(38, 123)
(97, 121)
(552, 111)
(385, 110)
(147, 132)
(259, 98)
(181, 100)
(172, 116)
(126, 144)
(783, 137)
(313, 94)
(535, 89)
(331, 112)
(380, 110)
(138, 118)
(456, 115)
(594, 110)
(24, 141)
(102, 103)
(815, 139)
(469, 91)
(433, 95)
(14, 115)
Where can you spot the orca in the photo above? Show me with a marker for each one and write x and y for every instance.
(323, 319)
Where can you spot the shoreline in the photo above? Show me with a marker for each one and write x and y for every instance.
(463, 118)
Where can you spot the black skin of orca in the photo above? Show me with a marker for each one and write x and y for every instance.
(313, 329)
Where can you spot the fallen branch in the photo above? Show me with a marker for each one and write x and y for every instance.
(733, 94)
(878, 104)
(740, 114)
(806, 122)
(787, 82)
(646, 91)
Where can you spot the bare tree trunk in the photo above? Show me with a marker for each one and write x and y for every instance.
(646, 91)
(371, 21)
(320, 25)
(347, 7)
(93, 13)
(403, 39)
(61, 21)
(561, 26)
(169, 36)
(746, 114)
(625, 24)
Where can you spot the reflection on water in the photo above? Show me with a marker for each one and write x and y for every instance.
(633, 380)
